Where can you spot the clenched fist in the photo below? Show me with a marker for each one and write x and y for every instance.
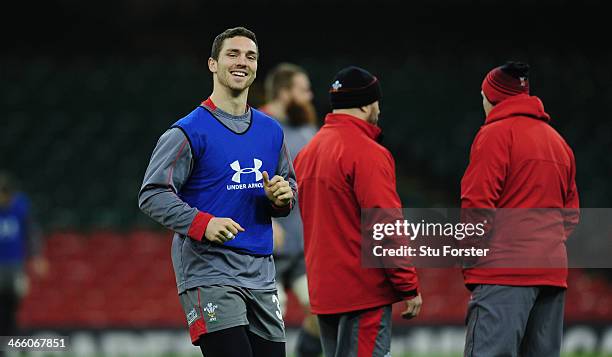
(220, 230)
(277, 190)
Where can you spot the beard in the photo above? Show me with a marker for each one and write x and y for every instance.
(299, 114)
(373, 119)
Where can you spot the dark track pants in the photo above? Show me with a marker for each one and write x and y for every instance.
(363, 333)
(513, 321)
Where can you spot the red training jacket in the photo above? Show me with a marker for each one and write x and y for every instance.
(518, 160)
(339, 172)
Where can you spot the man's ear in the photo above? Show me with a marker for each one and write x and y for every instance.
(212, 65)
(365, 108)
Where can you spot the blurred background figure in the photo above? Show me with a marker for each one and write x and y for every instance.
(19, 240)
(289, 99)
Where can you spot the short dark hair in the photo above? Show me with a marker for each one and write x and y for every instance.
(230, 33)
(281, 77)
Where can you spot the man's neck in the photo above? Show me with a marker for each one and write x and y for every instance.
(354, 112)
(277, 110)
(229, 101)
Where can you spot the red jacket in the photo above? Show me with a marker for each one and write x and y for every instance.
(519, 161)
(342, 170)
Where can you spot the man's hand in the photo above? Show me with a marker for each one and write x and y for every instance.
(277, 190)
(40, 266)
(413, 307)
(220, 230)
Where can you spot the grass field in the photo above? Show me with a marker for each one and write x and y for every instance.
(394, 355)
(426, 355)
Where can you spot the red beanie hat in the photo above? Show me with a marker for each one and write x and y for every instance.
(505, 81)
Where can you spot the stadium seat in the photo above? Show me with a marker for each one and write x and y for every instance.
(114, 279)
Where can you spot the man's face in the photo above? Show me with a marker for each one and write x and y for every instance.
(300, 91)
(374, 113)
(486, 105)
(236, 67)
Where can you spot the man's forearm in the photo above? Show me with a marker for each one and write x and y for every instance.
(168, 170)
(166, 208)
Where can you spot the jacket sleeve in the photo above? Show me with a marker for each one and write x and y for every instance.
(374, 186)
(484, 178)
(169, 168)
(571, 214)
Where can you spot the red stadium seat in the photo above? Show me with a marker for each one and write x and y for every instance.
(108, 279)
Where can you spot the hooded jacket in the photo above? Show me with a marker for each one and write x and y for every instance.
(340, 172)
(519, 161)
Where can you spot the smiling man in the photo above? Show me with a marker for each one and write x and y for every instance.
(209, 181)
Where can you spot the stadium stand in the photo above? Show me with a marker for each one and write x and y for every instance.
(107, 280)
(77, 134)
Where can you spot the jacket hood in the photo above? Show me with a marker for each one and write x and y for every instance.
(522, 105)
(337, 119)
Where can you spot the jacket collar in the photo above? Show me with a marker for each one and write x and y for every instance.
(519, 105)
(345, 120)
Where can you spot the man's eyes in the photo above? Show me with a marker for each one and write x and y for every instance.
(235, 54)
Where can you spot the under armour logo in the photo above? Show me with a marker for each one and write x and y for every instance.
(523, 81)
(247, 170)
(336, 85)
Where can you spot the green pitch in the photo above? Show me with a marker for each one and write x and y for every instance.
(393, 355)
